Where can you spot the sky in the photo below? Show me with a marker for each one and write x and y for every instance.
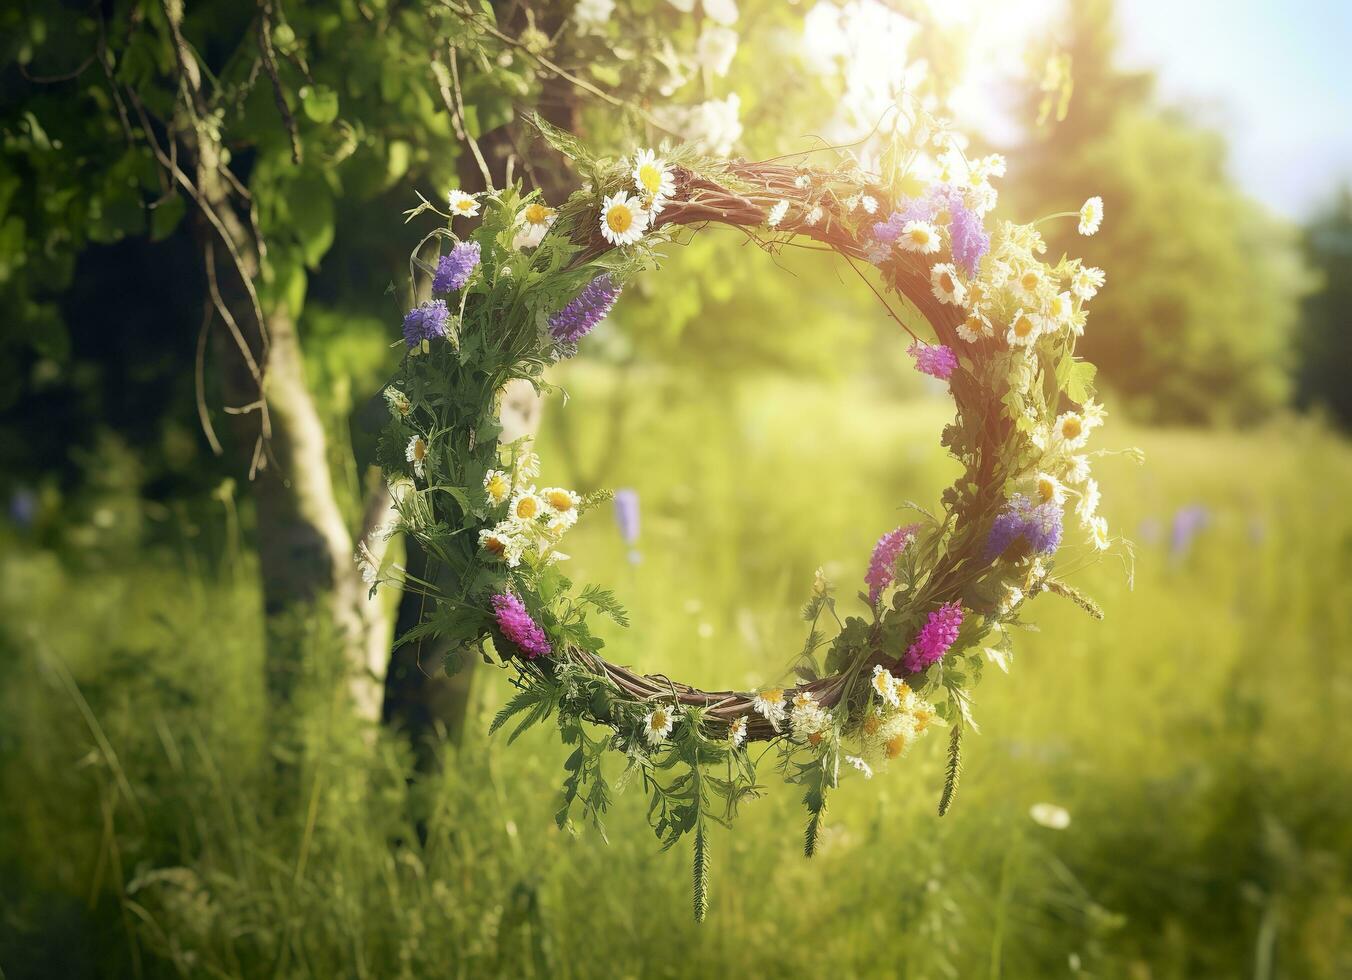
(1273, 75)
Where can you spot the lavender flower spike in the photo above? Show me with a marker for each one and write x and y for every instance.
(454, 270)
(589, 308)
(626, 517)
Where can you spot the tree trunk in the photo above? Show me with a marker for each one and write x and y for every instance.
(305, 545)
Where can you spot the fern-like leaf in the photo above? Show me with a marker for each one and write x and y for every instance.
(701, 873)
(954, 770)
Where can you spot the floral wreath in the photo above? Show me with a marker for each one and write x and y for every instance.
(525, 287)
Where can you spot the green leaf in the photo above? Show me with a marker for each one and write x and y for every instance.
(320, 103)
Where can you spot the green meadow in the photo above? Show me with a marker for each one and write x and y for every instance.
(1197, 739)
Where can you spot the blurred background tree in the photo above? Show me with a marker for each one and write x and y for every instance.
(1326, 317)
(1197, 322)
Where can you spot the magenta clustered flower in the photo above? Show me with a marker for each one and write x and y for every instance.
(454, 270)
(935, 637)
(517, 625)
(936, 360)
(426, 322)
(881, 566)
(589, 308)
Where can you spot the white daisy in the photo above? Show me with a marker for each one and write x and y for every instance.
(1030, 282)
(1087, 282)
(814, 216)
(526, 506)
(1091, 215)
(623, 220)
(657, 724)
(1049, 488)
(777, 213)
(654, 180)
(1087, 508)
(770, 706)
(1024, 329)
(886, 686)
(802, 181)
(976, 326)
(399, 404)
(1077, 470)
(462, 205)
(531, 224)
(1098, 533)
(527, 466)
(721, 11)
(497, 486)
(716, 48)
(416, 453)
(1060, 308)
(919, 236)
(870, 203)
(561, 505)
(737, 730)
(1070, 430)
(1093, 414)
(946, 285)
(851, 202)
(503, 543)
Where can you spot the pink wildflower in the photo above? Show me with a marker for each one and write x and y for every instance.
(935, 637)
(880, 574)
(516, 624)
(935, 360)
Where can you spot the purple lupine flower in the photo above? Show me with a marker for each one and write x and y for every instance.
(1038, 526)
(426, 322)
(454, 270)
(936, 360)
(626, 517)
(517, 626)
(881, 567)
(589, 308)
(934, 639)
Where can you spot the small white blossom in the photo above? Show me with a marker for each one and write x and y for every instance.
(1091, 215)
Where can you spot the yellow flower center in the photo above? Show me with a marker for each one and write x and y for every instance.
(1023, 326)
(650, 177)
(922, 720)
(1071, 427)
(497, 488)
(419, 450)
(526, 508)
(495, 546)
(946, 283)
(920, 236)
(619, 218)
(465, 204)
(560, 501)
(772, 697)
(896, 746)
(537, 214)
(816, 738)
(974, 323)
(659, 720)
(1030, 280)
(871, 724)
(1046, 489)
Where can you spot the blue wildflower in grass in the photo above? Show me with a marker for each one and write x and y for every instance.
(626, 517)
(589, 308)
(454, 270)
(1035, 526)
(426, 322)
(1188, 522)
